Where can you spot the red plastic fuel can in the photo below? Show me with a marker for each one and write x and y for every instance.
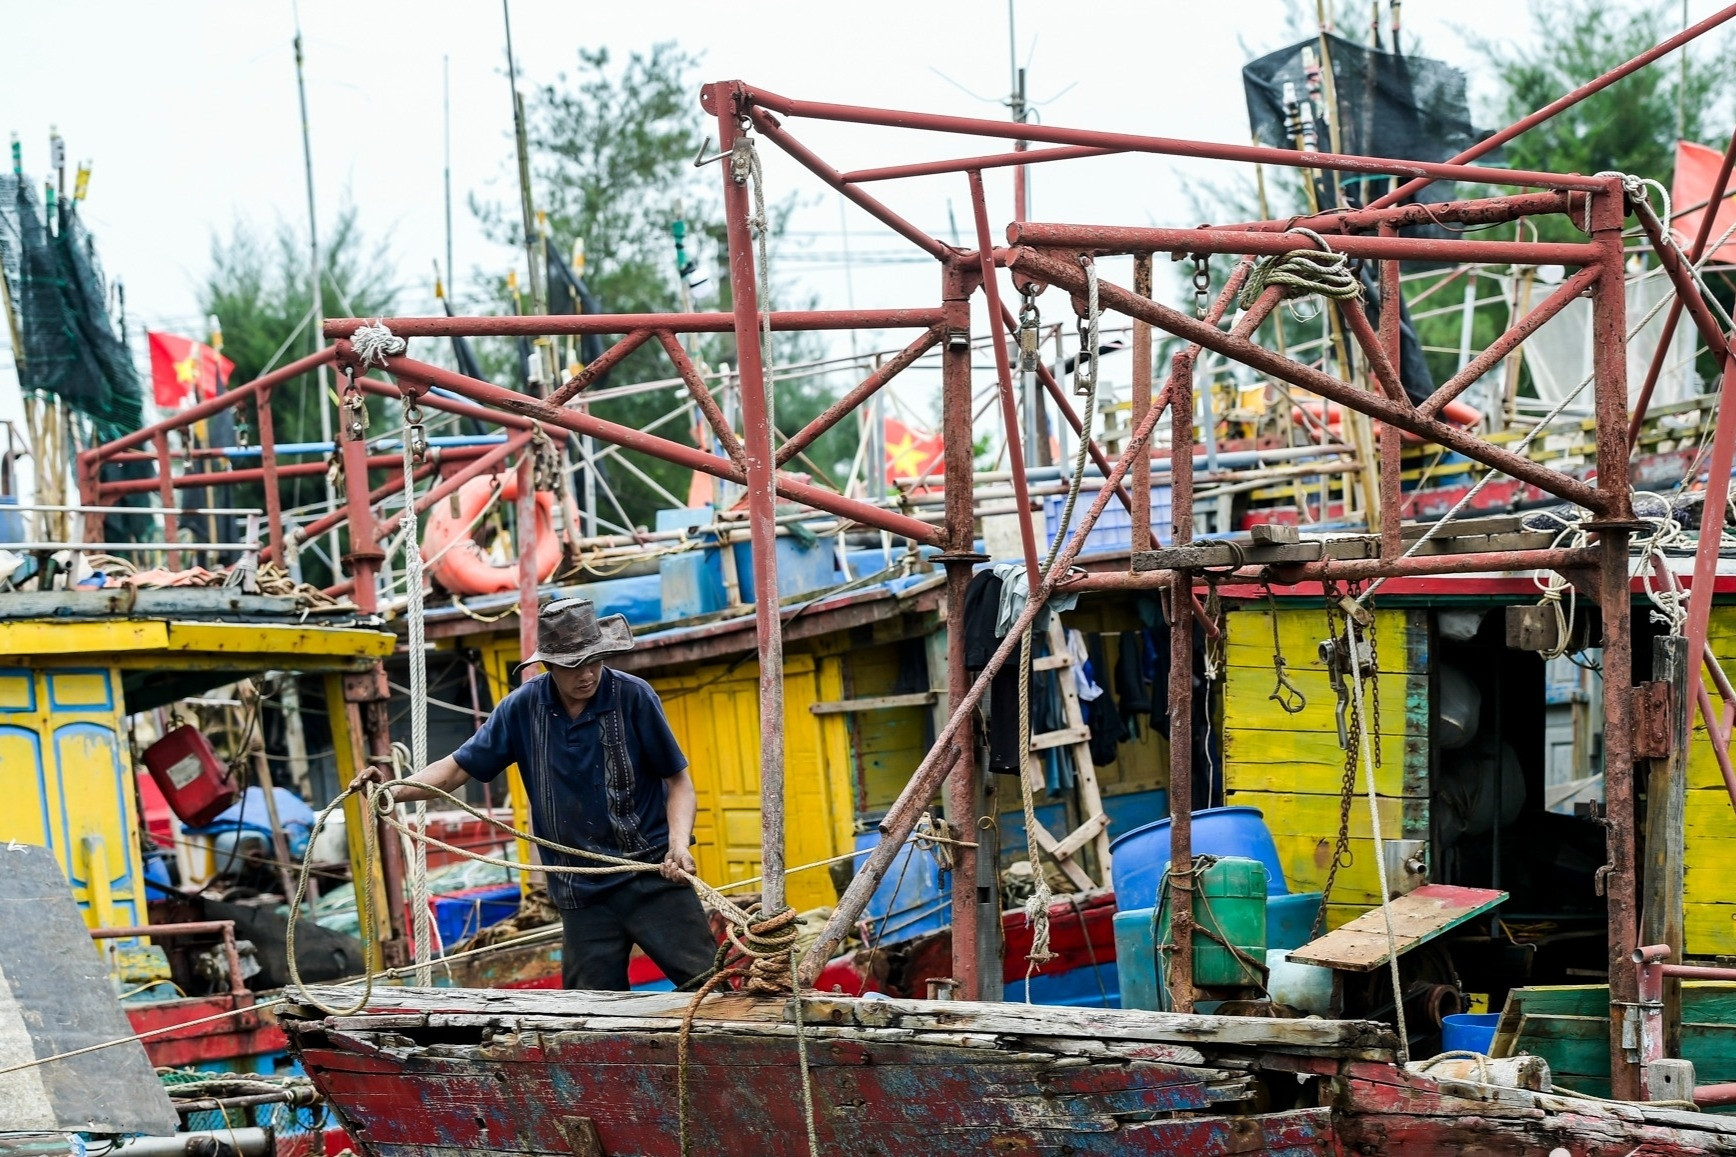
(196, 783)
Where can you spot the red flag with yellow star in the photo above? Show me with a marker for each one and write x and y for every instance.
(912, 453)
(181, 367)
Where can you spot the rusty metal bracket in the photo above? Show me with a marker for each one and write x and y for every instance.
(1652, 715)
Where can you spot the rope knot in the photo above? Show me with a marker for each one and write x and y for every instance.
(1301, 272)
(766, 941)
(375, 343)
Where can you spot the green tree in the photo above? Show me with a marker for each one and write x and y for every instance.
(1630, 126)
(612, 156)
(259, 288)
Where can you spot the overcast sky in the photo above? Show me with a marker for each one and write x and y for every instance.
(188, 111)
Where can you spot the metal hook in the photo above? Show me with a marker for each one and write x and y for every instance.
(701, 160)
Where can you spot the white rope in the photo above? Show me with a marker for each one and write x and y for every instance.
(416, 641)
(744, 167)
(1379, 843)
(375, 343)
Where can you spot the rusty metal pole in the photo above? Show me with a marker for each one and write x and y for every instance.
(1712, 515)
(1181, 802)
(1004, 375)
(166, 494)
(761, 497)
(1141, 403)
(268, 469)
(975, 897)
(370, 691)
(1609, 353)
(527, 544)
(1391, 449)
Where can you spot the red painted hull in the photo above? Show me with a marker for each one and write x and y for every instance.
(246, 1034)
(430, 1073)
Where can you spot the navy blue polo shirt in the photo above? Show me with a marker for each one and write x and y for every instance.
(569, 790)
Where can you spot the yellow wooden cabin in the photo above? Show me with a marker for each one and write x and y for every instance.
(67, 686)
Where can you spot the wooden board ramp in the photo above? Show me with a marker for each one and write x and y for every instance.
(1417, 918)
(436, 1072)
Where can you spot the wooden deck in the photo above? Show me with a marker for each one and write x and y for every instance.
(436, 1072)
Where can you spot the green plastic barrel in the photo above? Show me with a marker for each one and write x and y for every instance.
(1230, 900)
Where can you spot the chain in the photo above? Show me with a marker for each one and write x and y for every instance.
(355, 409)
(1349, 738)
(545, 459)
(1343, 670)
(1202, 283)
(1372, 671)
(1084, 384)
(1030, 335)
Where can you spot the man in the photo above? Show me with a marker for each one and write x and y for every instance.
(604, 773)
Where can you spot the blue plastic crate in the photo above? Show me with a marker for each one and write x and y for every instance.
(1113, 532)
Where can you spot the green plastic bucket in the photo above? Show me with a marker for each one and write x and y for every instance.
(1229, 900)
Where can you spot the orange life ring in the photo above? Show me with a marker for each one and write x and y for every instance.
(464, 569)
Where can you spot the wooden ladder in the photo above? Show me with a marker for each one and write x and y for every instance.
(1077, 735)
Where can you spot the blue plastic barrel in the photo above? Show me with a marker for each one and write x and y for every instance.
(913, 898)
(1136, 959)
(1469, 1032)
(1142, 855)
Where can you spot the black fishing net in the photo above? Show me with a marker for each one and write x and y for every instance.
(71, 347)
(1388, 105)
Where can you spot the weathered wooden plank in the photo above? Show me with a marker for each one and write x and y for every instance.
(871, 703)
(1203, 1031)
(1292, 760)
(498, 1008)
(1247, 701)
(1416, 918)
(1401, 637)
(1065, 737)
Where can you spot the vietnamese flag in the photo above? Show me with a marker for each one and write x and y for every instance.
(180, 365)
(912, 453)
(1696, 170)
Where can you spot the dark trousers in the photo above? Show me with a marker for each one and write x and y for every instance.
(662, 917)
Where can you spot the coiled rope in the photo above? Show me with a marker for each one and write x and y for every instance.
(1302, 272)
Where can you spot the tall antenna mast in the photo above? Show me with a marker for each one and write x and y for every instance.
(316, 275)
(446, 104)
(538, 286)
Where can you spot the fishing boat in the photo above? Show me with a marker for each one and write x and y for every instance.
(1293, 991)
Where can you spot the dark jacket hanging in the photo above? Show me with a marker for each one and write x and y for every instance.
(982, 601)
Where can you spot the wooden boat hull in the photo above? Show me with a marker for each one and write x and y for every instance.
(436, 1072)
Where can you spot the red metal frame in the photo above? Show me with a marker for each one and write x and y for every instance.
(1045, 254)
